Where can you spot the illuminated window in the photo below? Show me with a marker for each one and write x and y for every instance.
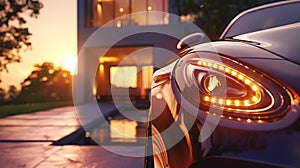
(100, 12)
(123, 76)
(147, 72)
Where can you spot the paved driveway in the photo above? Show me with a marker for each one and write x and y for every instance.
(25, 141)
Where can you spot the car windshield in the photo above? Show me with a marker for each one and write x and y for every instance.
(265, 17)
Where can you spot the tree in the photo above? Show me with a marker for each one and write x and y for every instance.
(2, 96)
(13, 36)
(213, 15)
(12, 93)
(46, 83)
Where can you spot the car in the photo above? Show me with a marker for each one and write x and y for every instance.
(233, 102)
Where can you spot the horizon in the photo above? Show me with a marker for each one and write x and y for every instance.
(54, 39)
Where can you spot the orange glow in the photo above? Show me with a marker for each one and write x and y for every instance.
(247, 81)
(123, 76)
(48, 44)
(254, 88)
(221, 101)
(254, 98)
(213, 100)
(246, 102)
(159, 96)
(107, 59)
(215, 66)
(221, 68)
(260, 121)
(101, 68)
(44, 79)
(51, 71)
(227, 70)
(240, 77)
(119, 23)
(69, 63)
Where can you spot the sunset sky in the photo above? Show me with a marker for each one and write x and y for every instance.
(54, 40)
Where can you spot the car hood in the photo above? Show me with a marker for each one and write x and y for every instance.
(283, 70)
(282, 41)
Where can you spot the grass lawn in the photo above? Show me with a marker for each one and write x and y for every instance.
(8, 110)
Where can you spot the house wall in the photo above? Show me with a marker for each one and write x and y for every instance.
(93, 43)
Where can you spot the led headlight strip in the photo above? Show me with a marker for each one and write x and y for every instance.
(250, 95)
(238, 75)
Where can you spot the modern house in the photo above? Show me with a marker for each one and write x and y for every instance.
(121, 43)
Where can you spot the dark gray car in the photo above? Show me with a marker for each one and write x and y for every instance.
(232, 102)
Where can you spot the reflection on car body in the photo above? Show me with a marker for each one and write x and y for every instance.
(232, 102)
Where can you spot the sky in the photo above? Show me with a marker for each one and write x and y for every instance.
(54, 40)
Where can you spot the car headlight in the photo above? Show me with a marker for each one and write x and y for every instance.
(244, 94)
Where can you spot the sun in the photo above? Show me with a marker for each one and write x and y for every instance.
(70, 63)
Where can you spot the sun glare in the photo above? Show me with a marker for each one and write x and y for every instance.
(70, 64)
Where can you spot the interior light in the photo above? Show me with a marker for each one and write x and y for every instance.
(260, 121)
(121, 10)
(119, 23)
(149, 8)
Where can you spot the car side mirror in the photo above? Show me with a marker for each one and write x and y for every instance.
(190, 40)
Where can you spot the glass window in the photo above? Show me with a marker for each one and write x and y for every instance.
(123, 76)
(154, 5)
(100, 12)
(264, 18)
(121, 12)
(139, 6)
(147, 72)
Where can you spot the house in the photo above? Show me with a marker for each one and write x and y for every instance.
(121, 43)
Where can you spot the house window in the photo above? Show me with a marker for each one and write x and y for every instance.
(100, 12)
(147, 72)
(123, 76)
